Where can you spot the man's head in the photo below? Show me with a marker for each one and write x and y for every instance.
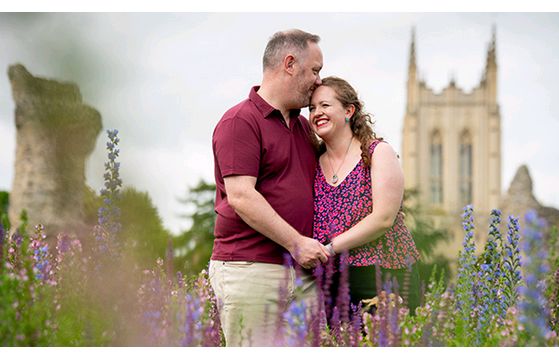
(294, 58)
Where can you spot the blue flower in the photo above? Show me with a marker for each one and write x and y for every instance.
(109, 214)
(534, 313)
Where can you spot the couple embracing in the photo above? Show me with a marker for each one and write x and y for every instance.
(306, 189)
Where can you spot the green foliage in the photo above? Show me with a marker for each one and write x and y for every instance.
(25, 302)
(4, 204)
(142, 228)
(91, 203)
(425, 236)
(433, 321)
(4, 201)
(80, 319)
(552, 290)
(194, 246)
(143, 234)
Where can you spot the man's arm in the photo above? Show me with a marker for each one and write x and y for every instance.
(253, 208)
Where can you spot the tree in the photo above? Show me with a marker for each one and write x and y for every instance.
(194, 246)
(142, 228)
(142, 234)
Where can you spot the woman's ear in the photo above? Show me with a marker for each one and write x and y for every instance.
(349, 111)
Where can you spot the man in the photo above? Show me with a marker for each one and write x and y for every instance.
(264, 171)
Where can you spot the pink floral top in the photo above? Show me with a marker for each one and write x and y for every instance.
(338, 208)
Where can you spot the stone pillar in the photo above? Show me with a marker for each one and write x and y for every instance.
(56, 132)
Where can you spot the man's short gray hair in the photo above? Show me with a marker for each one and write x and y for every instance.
(284, 41)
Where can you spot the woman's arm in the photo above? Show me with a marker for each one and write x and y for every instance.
(387, 180)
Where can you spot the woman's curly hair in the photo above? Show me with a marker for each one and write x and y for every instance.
(361, 122)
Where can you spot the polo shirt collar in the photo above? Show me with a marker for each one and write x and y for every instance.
(265, 108)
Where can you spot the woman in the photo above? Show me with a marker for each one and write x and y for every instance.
(359, 188)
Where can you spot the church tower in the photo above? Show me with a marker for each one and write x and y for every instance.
(451, 148)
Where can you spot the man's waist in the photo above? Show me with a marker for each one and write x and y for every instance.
(279, 259)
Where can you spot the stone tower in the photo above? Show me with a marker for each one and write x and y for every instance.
(56, 132)
(451, 148)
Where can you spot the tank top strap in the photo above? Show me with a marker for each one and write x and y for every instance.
(373, 145)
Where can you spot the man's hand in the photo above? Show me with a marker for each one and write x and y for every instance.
(308, 252)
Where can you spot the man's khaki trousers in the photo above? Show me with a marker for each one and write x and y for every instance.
(248, 294)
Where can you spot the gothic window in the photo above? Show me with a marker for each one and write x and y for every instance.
(465, 168)
(436, 157)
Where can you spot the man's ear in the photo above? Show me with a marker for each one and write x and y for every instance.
(289, 63)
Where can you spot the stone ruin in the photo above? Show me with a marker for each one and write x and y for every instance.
(56, 132)
(520, 198)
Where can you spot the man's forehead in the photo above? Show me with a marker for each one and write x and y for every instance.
(314, 53)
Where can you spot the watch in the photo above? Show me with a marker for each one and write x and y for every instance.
(330, 249)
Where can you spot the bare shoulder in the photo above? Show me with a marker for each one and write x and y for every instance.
(384, 150)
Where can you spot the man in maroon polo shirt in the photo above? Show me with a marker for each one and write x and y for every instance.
(264, 171)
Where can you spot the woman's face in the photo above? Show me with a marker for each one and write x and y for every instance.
(326, 112)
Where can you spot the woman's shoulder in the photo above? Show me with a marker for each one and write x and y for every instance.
(374, 143)
(382, 147)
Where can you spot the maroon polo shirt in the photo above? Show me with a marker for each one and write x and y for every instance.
(252, 139)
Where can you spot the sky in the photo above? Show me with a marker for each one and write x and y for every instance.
(165, 79)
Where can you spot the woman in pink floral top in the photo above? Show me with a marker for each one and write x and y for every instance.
(359, 187)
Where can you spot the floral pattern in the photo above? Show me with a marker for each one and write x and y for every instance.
(338, 208)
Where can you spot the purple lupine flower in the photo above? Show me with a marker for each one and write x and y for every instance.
(465, 290)
(17, 238)
(2, 236)
(382, 314)
(192, 325)
(329, 271)
(511, 263)
(355, 334)
(212, 332)
(108, 227)
(42, 267)
(169, 258)
(534, 313)
(491, 302)
(63, 243)
(206, 294)
(318, 317)
(336, 326)
(466, 262)
(394, 329)
(296, 318)
(343, 298)
(283, 296)
(180, 280)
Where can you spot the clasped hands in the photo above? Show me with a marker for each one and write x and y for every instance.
(309, 253)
